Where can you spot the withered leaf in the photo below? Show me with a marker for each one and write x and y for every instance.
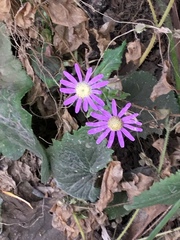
(140, 183)
(163, 86)
(24, 17)
(5, 6)
(112, 176)
(66, 13)
(68, 39)
(134, 52)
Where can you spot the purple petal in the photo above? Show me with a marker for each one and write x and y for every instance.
(100, 84)
(127, 134)
(124, 110)
(88, 74)
(130, 116)
(120, 138)
(67, 84)
(70, 100)
(96, 91)
(70, 77)
(78, 71)
(104, 112)
(68, 90)
(92, 104)
(97, 130)
(99, 116)
(78, 105)
(98, 100)
(96, 79)
(85, 105)
(103, 136)
(114, 108)
(96, 124)
(136, 129)
(135, 122)
(111, 139)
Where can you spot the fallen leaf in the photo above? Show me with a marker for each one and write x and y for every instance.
(69, 123)
(6, 182)
(134, 52)
(143, 219)
(103, 36)
(22, 55)
(64, 219)
(161, 113)
(111, 178)
(115, 83)
(66, 13)
(5, 6)
(24, 17)
(68, 39)
(139, 184)
(163, 86)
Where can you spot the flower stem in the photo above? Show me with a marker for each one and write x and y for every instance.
(163, 153)
(128, 225)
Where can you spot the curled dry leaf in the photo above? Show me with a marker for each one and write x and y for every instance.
(24, 17)
(163, 86)
(69, 123)
(66, 13)
(64, 220)
(5, 6)
(68, 39)
(115, 83)
(111, 178)
(139, 184)
(6, 182)
(22, 54)
(134, 52)
(103, 36)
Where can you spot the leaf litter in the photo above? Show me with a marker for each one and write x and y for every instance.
(48, 37)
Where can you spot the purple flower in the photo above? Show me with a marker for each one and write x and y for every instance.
(84, 91)
(114, 124)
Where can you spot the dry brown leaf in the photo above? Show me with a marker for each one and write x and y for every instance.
(24, 17)
(115, 83)
(134, 52)
(5, 6)
(6, 182)
(103, 36)
(175, 156)
(22, 54)
(111, 178)
(163, 86)
(139, 184)
(66, 13)
(68, 39)
(143, 219)
(69, 123)
(64, 221)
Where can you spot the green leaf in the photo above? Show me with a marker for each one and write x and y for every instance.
(112, 60)
(140, 85)
(46, 68)
(166, 191)
(16, 134)
(116, 209)
(75, 162)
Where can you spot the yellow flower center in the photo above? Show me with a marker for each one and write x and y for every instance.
(83, 90)
(115, 123)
